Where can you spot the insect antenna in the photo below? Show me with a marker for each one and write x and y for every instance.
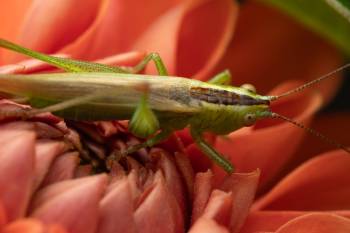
(313, 82)
(312, 131)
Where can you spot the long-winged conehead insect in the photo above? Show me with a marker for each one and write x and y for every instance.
(155, 105)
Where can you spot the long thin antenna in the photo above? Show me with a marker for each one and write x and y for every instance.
(312, 131)
(302, 87)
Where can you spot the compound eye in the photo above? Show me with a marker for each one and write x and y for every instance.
(249, 87)
(249, 119)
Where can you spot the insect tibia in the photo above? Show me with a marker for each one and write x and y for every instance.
(313, 132)
(311, 83)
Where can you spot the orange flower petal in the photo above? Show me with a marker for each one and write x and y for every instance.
(123, 59)
(55, 228)
(194, 42)
(29, 225)
(12, 14)
(66, 207)
(201, 42)
(3, 216)
(17, 170)
(111, 33)
(270, 47)
(51, 25)
(158, 212)
(267, 145)
(316, 223)
(270, 221)
(322, 183)
(24, 225)
(117, 209)
(334, 125)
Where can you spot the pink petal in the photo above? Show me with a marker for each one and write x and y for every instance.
(16, 171)
(50, 192)
(46, 152)
(172, 178)
(106, 128)
(207, 225)
(272, 137)
(63, 168)
(100, 41)
(76, 208)
(83, 171)
(243, 187)
(183, 164)
(158, 212)
(322, 183)
(117, 209)
(317, 223)
(133, 180)
(203, 186)
(42, 130)
(195, 42)
(219, 207)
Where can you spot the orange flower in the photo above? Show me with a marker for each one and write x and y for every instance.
(46, 166)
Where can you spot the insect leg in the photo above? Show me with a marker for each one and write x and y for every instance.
(8, 113)
(149, 142)
(157, 61)
(72, 65)
(143, 122)
(28, 113)
(222, 78)
(68, 103)
(66, 64)
(211, 152)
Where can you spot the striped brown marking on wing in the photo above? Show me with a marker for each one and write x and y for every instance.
(216, 96)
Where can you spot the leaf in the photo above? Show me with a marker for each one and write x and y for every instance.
(321, 17)
(341, 6)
